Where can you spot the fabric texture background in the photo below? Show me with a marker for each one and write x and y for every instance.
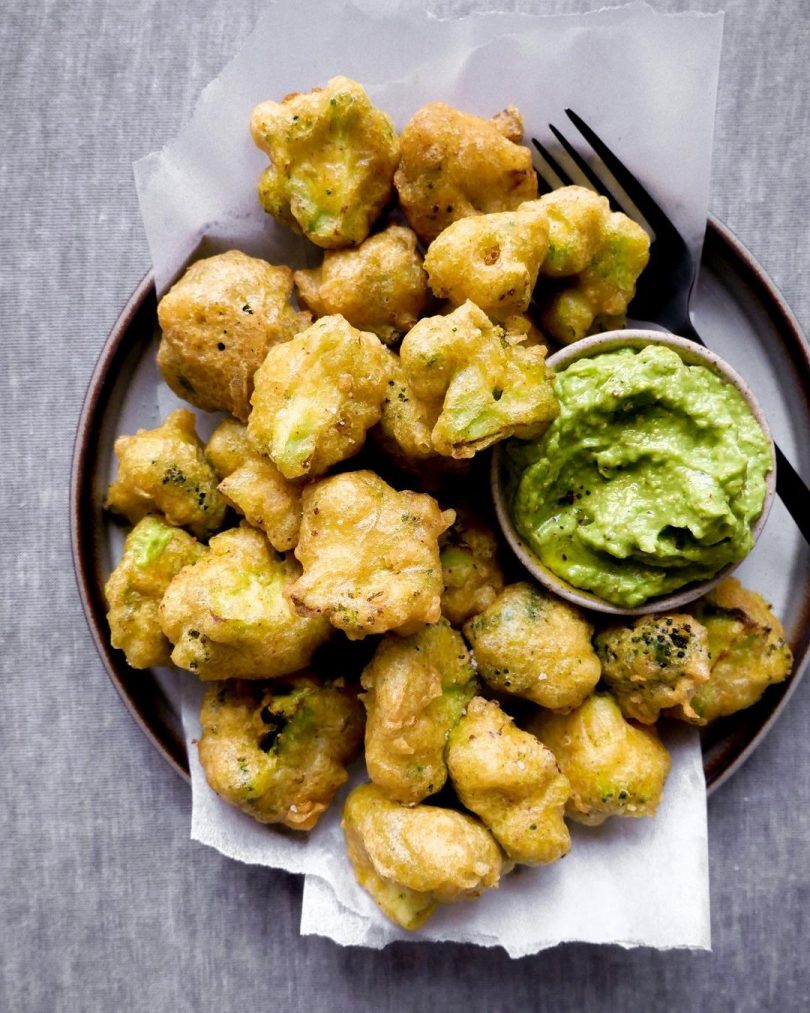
(106, 903)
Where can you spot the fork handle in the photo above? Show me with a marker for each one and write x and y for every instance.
(790, 486)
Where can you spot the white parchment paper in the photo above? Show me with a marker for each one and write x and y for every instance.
(647, 83)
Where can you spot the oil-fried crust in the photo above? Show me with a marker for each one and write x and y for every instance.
(533, 645)
(454, 165)
(218, 322)
(332, 159)
(511, 782)
(279, 750)
(615, 768)
(370, 556)
(412, 859)
(228, 617)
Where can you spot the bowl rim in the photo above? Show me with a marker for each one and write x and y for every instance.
(693, 354)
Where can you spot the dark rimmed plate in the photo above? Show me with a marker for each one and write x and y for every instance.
(738, 311)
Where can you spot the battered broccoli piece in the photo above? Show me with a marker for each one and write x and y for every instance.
(536, 646)
(602, 252)
(454, 165)
(512, 782)
(228, 617)
(370, 556)
(492, 260)
(313, 404)
(406, 421)
(489, 388)
(332, 160)
(747, 650)
(416, 688)
(254, 486)
(615, 768)
(218, 322)
(412, 859)
(576, 218)
(521, 330)
(154, 553)
(278, 750)
(656, 663)
(164, 470)
(379, 287)
(471, 569)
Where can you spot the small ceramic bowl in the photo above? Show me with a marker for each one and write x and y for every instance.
(692, 354)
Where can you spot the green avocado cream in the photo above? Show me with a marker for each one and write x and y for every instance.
(649, 479)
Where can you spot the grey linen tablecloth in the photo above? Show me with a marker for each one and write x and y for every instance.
(106, 904)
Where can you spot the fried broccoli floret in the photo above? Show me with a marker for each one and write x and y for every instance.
(535, 646)
(332, 159)
(218, 322)
(412, 859)
(489, 389)
(656, 663)
(228, 616)
(316, 397)
(416, 688)
(254, 486)
(370, 556)
(576, 219)
(598, 255)
(454, 165)
(747, 649)
(406, 421)
(512, 782)
(492, 260)
(165, 471)
(380, 287)
(154, 553)
(278, 750)
(615, 768)
(471, 569)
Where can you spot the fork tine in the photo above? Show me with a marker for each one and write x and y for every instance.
(543, 185)
(553, 164)
(599, 185)
(632, 187)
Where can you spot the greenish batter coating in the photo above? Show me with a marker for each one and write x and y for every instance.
(154, 553)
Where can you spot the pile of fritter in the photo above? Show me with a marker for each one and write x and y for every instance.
(327, 562)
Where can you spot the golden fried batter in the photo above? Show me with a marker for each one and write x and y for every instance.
(164, 470)
(536, 646)
(512, 782)
(154, 553)
(576, 219)
(228, 617)
(406, 421)
(454, 165)
(380, 287)
(416, 688)
(332, 160)
(492, 260)
(317, 395)
(254, 486)
(489, 388)
(615, 768)
(218, 322)
(278, 750)
(370, 556)
(598, 254)
(747, 650)
(471, 569)
(412, 859)
(656, 663)
(521, 330)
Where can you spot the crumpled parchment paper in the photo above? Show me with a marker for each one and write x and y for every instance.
(647, 83)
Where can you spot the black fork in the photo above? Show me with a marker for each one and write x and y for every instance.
(665, 286)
